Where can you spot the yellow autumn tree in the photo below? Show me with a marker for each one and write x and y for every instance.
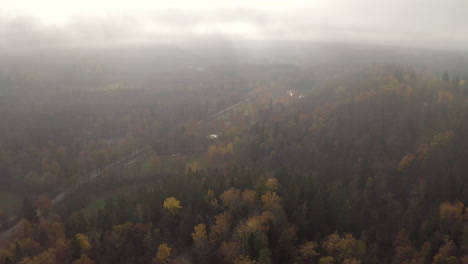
(210, 195)
(351, 261)
(252, 227)
(62, 250)
(406, 162)
(271, 201)
(222, 226)
(211, 199)
(172, 205)
(451, 217)
(193, 166)
(451, 213)
(163, 254)
(200, 240)
(462, 83)
(404, 250)
(231, 199)
(229, 149)
(244, 260)
(423, 152)
(409, 92)
(345, 248)
(446, 254)
(29, 246)
(445, 98)
(83, 242)
(272, 184)
(307, 252)
(199, 235)
(318, 124)
(248, 197)
(5, 253)
(45, 257)
(120, 233)
(83, 260)
(443, 138)
(327, 260)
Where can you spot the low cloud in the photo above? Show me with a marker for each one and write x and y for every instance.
(431, 24)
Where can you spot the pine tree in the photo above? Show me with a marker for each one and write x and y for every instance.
(264, 257)
(29, 210)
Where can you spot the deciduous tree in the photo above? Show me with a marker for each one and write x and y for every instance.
(172, 205)
(163, 254)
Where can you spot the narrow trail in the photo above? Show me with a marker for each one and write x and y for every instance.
(90, 177)
(228, 109)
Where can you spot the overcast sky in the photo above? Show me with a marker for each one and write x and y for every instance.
(418, 23)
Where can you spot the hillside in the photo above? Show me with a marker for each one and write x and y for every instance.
(369, 166)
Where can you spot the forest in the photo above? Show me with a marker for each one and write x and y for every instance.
(236, 162)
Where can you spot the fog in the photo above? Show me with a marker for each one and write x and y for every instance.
(223, 132)
(29, 24)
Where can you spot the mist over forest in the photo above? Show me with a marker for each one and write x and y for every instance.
(235, 133)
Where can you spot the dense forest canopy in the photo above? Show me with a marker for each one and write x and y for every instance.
(303, 153)
(233, 132)
(252, 162)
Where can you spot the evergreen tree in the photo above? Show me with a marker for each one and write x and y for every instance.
(19, 255)
(29, 210)
(264, 256)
